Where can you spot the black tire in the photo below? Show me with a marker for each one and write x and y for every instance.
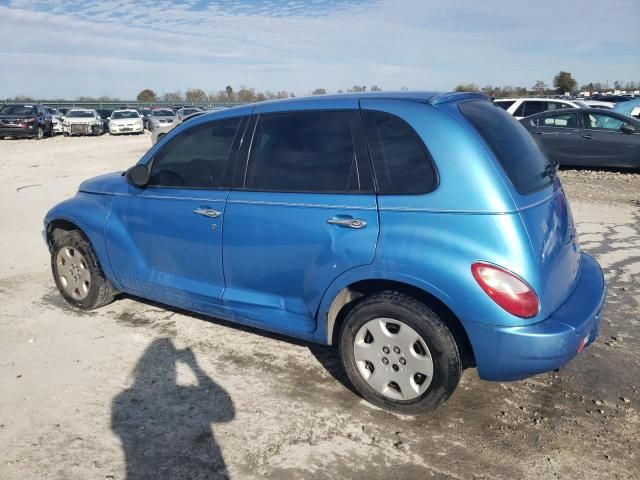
(445, 355)
(100, 291)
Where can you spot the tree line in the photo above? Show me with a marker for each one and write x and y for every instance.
(563, 83)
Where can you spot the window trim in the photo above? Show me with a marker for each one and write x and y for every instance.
(242, 167)
(232, 157)
(434, 167)
(601, 130)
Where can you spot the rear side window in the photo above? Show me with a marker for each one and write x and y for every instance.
(563, 120)
(197, 157)
(504, 104)
(303, 152)
(400, 160)
(522, 160)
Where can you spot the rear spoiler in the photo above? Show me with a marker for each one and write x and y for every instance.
(456, 96)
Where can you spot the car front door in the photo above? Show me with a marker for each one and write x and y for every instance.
(165, 240)
(603, 143)
(558, 135)
(304, 213)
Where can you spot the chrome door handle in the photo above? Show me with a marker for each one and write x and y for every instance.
(207, 212)
(356, 223)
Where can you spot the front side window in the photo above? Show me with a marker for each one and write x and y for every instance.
(197, 157)
(564, 120)
(401, 162)
(600, 121)
(303, 152)
(512, 145)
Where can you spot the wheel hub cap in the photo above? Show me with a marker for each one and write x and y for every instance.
(393, 358)
(73, 273)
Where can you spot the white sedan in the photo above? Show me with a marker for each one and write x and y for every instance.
(125, 121)
(82, 121)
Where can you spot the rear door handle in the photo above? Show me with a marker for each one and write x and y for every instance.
(207, 212)
(356, 223)
(588, 137)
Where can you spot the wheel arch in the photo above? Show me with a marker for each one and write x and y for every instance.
(346, 297)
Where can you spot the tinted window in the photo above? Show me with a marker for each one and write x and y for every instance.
(400, 159)
(197, 157)
(563, 120)
(531, 108)
(512, 145)
(17, 110)
(303, 152)
(519, 111)
(601, 121)
(505, 104)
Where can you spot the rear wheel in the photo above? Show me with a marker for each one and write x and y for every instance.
(398, 354)
(77, 272)
(39, 135)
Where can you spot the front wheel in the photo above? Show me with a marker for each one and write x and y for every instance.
(39, 135)
(399, 354)
(77, 272)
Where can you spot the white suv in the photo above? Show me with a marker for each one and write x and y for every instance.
(523, 107)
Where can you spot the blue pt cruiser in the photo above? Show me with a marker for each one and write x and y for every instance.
(421, 233)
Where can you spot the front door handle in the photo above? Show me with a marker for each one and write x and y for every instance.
(207, 212)
(356, 223)
(588, 137)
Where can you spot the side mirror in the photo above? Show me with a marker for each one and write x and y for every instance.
(626, 128)
(138, 175)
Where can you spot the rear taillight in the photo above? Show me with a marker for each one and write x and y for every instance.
(506, 289)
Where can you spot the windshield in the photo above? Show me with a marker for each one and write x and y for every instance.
(163, 113)
(80, 114)
(17, 110)
(117, 115)
(522, 160)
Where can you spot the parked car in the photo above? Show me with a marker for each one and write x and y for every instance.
(161, 117)
(144, 113)
(524, 107)
(587, 137)
(25, 120)
(421, 233)
(125, 121)
(64, 110)
(105, 114)
(82, 121)
(597, 103)
(56, 120)
(630, 108)
(186, 111)
(160, 132)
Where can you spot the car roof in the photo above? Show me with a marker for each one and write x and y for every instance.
(540, 99)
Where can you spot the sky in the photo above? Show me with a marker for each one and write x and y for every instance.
(69, 48)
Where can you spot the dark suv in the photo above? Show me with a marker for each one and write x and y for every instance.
(25, 120)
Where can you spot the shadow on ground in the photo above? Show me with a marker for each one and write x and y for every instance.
(165, 427)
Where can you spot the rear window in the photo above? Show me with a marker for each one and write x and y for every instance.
(522, 160)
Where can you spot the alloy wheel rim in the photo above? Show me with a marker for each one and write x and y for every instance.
(393, 358)
(73, 273)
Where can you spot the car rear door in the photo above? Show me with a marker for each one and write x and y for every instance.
(304, 211)
(165, 240)
(558, 135)
(603, 143)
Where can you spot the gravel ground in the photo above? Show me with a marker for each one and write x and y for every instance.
(142, 390)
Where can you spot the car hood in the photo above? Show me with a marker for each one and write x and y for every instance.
(80, 120)
(124, 121)
(107, 184)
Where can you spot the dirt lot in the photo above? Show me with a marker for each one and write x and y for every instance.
(139, 388)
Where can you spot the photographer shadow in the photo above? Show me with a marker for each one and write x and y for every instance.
(165, 428)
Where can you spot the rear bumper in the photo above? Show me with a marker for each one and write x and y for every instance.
(513, 353)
